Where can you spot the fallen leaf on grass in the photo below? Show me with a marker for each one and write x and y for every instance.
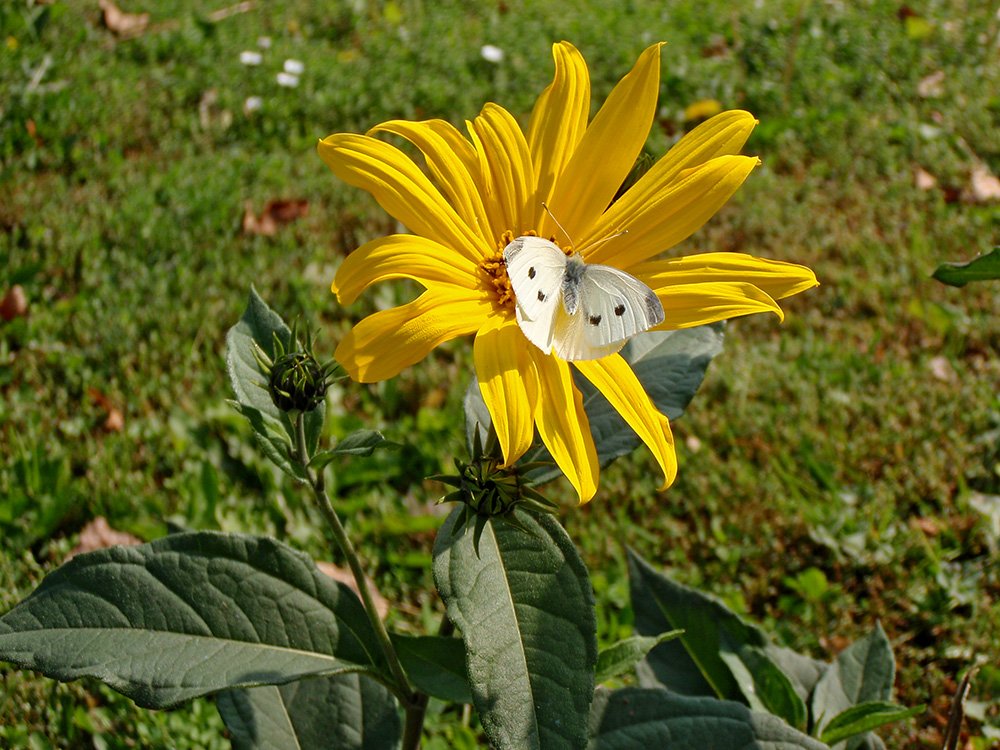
(931, 86)
(344, 576)
(923, 179)
(121, 23)
(275, 214)
(14, 303)
(98, 534)
(984, 185)
(115, 421)
(941, 369)
(927, 525)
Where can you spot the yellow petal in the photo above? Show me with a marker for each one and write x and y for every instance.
(403, 256)
(775, 278)
(723, 135)
(383, 344)
(506, 155)
(400, 188)
(558, 122)
(607, 150)
(563, 425)
(688, 305)
(508, 383)
(452, 162)
(677, 212)
(614, 378)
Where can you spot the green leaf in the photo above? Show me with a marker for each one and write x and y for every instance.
(718, 654)
(763, 684)
(862, 673)
(435, 665)
(984, 268)
(645, 718)
(864, 717)
(803, 671)
(525, 608)
(669, 364)
(360, 443)
(620, 657)
(187, 615)
(348, 711)
(273, 428)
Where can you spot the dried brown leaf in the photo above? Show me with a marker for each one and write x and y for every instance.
(345, 577)
(984, 185)
(923, 179)
(98, 534)
(14, 303)
(121, 23)
(275, 214)
(115, 420)
(931, 86)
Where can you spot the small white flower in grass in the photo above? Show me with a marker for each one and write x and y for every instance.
(287, 80)
(252, 104)
(294, 67)
(249, 57)
(264, 42)
(491, 53)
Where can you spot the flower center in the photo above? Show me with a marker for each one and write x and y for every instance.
(497, 281)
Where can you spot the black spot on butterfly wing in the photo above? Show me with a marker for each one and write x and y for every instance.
(594, 320)
(531, 272)
(541, 296)
(620, 309)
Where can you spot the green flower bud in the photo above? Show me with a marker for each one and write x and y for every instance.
(297, 382)
(490, 490)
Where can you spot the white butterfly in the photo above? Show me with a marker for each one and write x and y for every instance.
(601, 308)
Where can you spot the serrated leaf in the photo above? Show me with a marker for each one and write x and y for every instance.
(525, 608)
(718, 654)
(984, 268)
(646, 718)
(862, 673)
(435, 665)
(620, 657)
(188, 615)
(359, 443)
(258, 327)
(348, 712)
(670, 365)
(863, 718)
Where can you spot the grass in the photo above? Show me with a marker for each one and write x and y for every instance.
(835, 470)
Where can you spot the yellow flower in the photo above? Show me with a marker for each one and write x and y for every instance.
(487, 189)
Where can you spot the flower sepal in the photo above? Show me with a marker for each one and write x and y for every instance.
(296, 381)
(490, 490)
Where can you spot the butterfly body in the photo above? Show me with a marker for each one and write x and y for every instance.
(574, 309)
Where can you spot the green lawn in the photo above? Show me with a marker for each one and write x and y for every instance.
(838, 469)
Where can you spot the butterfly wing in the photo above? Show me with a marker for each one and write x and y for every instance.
(536, 268)
(613, 307)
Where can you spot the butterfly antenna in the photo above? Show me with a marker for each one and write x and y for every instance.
(553, 217)
(601, 241)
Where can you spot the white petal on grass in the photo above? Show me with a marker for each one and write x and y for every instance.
(264, 42)
(252, 104)
(491, 53)
(249, 57)
(287, 80)
(294, 67)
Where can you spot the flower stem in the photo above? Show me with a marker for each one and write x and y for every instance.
(414, 703)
